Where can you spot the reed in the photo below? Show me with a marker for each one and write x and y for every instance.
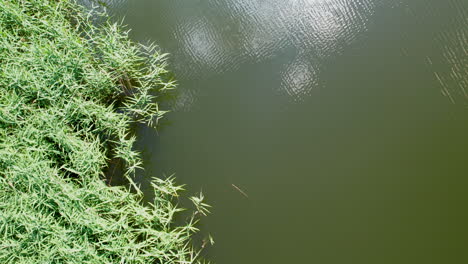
(70, 89)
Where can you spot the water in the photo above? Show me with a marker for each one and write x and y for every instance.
(344, 121)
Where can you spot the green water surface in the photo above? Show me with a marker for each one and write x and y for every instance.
(344, 121)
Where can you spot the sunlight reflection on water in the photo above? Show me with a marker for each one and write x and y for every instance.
(258, 30)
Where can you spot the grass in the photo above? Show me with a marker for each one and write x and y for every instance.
(69, 92)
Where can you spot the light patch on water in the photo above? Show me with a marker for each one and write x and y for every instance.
(185, 100)
(326, 26)
(264, 29)
(454, 78)
(450, 65)
(298, 79)
(203, 44)
(319, 25)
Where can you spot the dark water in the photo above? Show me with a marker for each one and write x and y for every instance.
(344, 121)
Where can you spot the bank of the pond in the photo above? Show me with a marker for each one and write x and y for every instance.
(69, 91)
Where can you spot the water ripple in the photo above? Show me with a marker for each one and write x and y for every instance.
(256, 31)
(214, 37)
(449, 59)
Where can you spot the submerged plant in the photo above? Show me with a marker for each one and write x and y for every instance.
(69, 91)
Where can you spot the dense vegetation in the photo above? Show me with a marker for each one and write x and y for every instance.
(69, 91)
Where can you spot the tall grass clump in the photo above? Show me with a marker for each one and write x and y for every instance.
(69, 91)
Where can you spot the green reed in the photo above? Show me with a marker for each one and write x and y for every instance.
(70, 88)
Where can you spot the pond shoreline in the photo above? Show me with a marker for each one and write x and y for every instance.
(70, 91)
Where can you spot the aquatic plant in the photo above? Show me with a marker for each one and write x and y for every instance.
(70, 88)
